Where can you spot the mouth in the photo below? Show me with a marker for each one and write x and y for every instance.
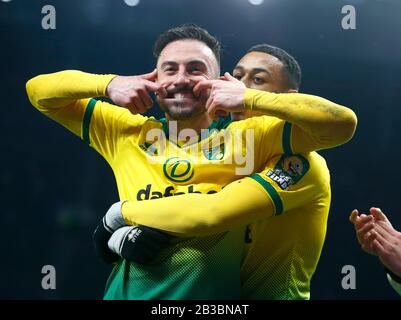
(180, 93)
(181, 96)
(184, 95)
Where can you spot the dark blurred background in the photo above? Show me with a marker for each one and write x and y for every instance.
(54, 188)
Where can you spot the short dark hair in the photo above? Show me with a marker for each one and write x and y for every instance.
(291, 66)
(190, 32)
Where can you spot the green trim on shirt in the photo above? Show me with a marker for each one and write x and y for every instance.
(87, 119)
(271, 191)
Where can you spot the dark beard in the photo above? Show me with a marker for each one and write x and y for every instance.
(177, 113)
(181, 114)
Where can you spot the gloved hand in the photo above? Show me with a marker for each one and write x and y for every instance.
(138, 243)
(112, 221)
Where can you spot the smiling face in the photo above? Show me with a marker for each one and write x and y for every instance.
(181, 65)
(261, 71)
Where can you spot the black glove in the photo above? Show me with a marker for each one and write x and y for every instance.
(138, 244)
(109, 223)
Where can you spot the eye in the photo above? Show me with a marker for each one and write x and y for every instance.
(237, 76)
(195, 70)
(258, 80)
(169, 70)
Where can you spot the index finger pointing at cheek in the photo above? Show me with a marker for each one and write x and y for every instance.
(151, 76)
(202, 85)
(153, 87)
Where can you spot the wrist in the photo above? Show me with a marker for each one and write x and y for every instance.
(113, 219)
(105, 84)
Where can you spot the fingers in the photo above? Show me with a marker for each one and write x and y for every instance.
(353, 216)
(389, 235)
(379, 215)
(162, 92)
(370, 236)
(151, 76)
(229, 77)
(387, 227)
(155, 87)
(377, 242)
(151, 85)
(385, 245)
(204, 85)
(210, 110)
(146, 100)
(214, 110)
(381, 218)
(363, 231)
(374, 232)
(367, 244)
(137, 106)
(140, 101)
(362, 220)
(377, 248)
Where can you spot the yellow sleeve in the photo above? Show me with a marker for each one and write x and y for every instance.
(239, 203)
(202, 214)
(292, 181)
(312, 122)
(262, 138)
(65, 97)
(49, 93)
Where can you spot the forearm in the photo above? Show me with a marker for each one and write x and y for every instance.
(328, 123)
(201, 214)
(56, 90)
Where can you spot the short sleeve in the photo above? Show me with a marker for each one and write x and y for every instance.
(292, 181)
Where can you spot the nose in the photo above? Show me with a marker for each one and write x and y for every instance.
(247, 81)
(181, 79)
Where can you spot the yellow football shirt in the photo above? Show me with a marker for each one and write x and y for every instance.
(287, 207)
(194, 268)
(282, 253)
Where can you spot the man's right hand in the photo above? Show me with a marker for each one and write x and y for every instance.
(132, 92)
(112, 221)
(113, 239)
(138, 244)
(377, 236)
